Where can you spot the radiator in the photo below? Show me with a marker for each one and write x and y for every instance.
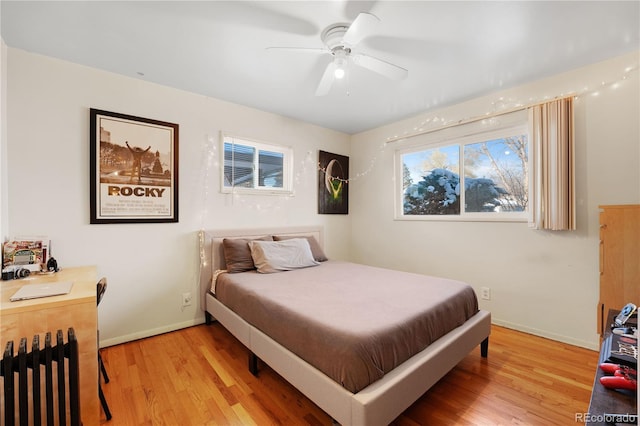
(30, 376)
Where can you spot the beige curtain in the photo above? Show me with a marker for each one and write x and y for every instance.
(553, 177)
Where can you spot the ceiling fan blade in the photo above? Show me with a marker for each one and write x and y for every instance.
(353, 7)
(363, 26)
(384, 68)
(298, 49)
(327, 79)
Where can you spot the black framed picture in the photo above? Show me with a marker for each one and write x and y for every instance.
(133, 168)
(333, 183)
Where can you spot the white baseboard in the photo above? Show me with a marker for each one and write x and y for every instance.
(593, 345)
(149, 333)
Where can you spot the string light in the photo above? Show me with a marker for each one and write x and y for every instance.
(237, 198)
(502, 104)
(426, 124)
(324, 170)
(208, 162)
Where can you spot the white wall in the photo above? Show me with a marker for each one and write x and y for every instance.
(3, 137)
(545, 283)
(148, 266)
(542, 282)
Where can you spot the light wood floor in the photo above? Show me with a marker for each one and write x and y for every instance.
(199, 376)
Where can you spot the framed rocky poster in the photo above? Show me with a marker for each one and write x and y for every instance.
(133, 169)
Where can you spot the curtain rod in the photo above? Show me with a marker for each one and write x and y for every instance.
(473, 120)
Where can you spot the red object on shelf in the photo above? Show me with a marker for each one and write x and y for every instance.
(619, 382)
(618, 370)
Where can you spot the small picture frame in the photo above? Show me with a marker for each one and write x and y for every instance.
(133, 169)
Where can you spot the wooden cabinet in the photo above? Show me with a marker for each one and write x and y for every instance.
(619, 259)
(78, 309)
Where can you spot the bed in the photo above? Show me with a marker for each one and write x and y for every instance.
(346, 396)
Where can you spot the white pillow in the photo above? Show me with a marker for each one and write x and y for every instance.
(275, 256)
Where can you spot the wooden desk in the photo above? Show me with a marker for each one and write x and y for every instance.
(38, 316)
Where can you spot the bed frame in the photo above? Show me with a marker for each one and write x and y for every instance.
(379, 403)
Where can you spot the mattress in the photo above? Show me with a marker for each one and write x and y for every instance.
(353, 322)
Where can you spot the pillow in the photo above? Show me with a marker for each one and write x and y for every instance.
(276, 256)
(237, 254)
(318, 253)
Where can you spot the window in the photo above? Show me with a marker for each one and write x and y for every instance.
(491, 167)
(251, 166)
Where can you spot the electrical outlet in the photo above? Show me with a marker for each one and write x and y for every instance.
(485, 293)
(186, 299)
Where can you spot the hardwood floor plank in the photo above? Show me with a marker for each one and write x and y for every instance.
(199, 376)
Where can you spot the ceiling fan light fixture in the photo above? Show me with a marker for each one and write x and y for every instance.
(339, 40)
(340, 68)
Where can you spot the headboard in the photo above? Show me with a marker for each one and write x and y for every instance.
(211, 252)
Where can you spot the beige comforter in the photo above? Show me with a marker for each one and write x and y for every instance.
(353, 322)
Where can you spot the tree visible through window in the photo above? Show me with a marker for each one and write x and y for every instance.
(493, 172)
(496, 175)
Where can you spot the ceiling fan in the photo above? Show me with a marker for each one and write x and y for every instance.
(340, 40)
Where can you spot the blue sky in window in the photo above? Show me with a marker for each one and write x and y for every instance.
(416, 161)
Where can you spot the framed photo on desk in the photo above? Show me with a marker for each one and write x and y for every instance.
(133, 168)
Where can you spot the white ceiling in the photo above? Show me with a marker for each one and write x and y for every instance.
(453, 50)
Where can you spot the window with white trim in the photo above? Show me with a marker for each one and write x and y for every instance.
(484, 176)
(255, 167)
